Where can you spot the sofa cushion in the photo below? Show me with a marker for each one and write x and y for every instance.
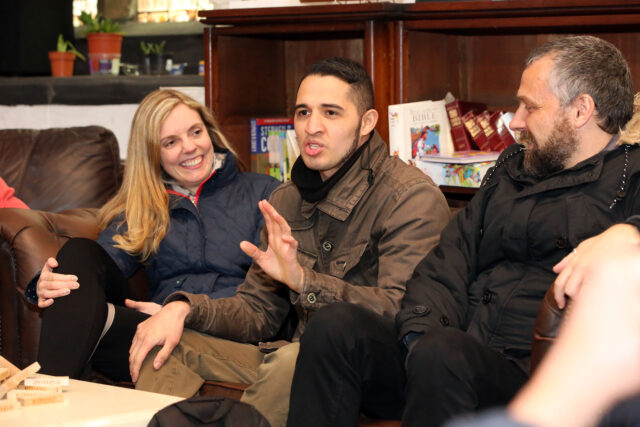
(58, 169)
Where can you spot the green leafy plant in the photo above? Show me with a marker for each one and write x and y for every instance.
(98, 24)
(149, 48)
(67, 46)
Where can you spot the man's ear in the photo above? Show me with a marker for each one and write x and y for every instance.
(584, 110)
(368, 122)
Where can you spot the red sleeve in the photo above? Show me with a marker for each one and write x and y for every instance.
(7, 199)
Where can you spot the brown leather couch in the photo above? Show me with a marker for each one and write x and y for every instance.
(73, 170)
(546, 328)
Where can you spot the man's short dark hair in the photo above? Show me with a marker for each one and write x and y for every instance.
(590, 65)
(349, 72)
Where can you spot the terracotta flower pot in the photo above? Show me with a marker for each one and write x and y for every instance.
(62, 63)
(104, 52)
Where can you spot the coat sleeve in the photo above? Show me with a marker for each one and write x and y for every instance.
(411, 229)
(438, 292)
(255, 313)
(8, 199)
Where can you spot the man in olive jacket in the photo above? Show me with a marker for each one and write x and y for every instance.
(467, 317)
(350, 227)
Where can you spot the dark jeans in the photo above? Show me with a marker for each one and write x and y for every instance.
(71, 327)
(350, 362)
(451, 373)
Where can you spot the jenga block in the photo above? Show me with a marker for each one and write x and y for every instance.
(4, 373)
(40, 399)
(21, 393)
(46, 381)
(16, 379)
(43, 388)
(8, 405)
(4, 363)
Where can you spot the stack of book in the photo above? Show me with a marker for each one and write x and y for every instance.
(419, 128)
(462, 169)
(273, 147)
(455, 142)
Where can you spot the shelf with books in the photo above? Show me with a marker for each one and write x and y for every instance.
(254, 58)
(473, 49)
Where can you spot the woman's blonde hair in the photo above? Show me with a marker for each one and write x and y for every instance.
(142, 200)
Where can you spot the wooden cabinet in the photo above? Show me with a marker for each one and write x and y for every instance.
(474, 49)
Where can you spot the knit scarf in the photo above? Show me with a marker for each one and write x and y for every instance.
(311, 187)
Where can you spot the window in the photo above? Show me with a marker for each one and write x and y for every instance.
(150, 10)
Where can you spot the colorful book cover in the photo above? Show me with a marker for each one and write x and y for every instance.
(462, 169)
(269, 152)
(417, 129)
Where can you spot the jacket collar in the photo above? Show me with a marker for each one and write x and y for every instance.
(346, 194)
(218, 178)
(587, 171)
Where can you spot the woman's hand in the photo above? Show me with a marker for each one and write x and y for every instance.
(150, 308)
(53, 285)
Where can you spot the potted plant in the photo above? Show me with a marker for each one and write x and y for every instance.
(155, 59)
(105, 43)
(63, 57)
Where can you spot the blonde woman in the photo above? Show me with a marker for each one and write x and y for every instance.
(182, 211)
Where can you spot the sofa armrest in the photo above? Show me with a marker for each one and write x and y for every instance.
(27, 239)
(546, 328)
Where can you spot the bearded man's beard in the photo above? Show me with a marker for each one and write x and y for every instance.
(550, 157)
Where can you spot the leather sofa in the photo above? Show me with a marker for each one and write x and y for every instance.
(63, 175)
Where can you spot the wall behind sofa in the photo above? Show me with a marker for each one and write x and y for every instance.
(38, 105)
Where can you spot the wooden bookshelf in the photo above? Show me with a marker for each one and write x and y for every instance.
(474, 49)
(477, 49)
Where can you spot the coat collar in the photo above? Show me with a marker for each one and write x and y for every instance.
(346, 194)
(587, 171)
(224, 174)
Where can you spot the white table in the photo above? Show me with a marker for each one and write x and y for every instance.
(91, 404)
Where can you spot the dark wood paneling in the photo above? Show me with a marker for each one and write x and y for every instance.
(300, 54)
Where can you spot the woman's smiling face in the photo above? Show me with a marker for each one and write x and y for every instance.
(186, 151)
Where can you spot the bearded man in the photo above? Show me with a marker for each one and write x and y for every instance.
(465, 326)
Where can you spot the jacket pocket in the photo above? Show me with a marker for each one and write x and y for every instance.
(580, 229)
(345, 261)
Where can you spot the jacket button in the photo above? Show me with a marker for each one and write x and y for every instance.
(420, 309)
(327, 246)
(444, 321)
(311, 298)
(486, 297)
(561, 242)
